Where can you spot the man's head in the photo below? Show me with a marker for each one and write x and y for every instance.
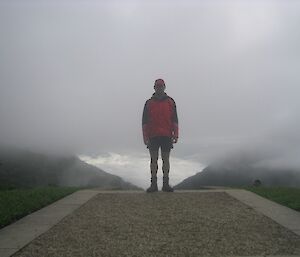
(159, 86)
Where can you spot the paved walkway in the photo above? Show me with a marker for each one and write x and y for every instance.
(22, 232)
(132, 223)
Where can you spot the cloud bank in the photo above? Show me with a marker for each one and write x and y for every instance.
(135, 168)
(74, 75)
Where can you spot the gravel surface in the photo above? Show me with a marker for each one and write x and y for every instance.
(164, 224)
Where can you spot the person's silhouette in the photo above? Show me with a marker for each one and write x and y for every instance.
(160, 130)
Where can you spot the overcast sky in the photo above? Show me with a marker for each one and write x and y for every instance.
(74, 76)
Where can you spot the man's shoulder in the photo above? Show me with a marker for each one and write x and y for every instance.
(171, 99)
(166, 98)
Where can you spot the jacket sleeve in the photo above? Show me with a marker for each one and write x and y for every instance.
(145, 123)
(175, 128)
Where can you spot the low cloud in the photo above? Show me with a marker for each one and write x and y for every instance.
(135, 167)
(74, 77)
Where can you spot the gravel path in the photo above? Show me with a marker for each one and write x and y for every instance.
(164, 224)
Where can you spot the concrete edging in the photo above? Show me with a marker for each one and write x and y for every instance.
(15, 236)
(285, 216)
(22, 232)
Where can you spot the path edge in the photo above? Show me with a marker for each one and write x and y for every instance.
(20, 233)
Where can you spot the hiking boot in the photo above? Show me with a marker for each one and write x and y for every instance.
(153, 187)
(166, 187)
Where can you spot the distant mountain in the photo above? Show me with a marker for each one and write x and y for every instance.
(25, 168)
(239, 173)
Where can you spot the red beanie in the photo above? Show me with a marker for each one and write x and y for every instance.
(159, 82)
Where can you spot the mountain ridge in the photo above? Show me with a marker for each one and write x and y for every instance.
(25, 168)
(240, 173)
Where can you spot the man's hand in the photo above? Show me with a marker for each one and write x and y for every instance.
(146, 141)
(174, 140)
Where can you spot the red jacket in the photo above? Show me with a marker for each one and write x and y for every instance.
(160, 117)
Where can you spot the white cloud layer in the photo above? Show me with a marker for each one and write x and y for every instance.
(135, 168)
(74, 76)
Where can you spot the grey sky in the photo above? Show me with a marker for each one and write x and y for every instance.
(74, 75)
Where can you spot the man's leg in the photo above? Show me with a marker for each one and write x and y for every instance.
(153, 168)
(166, 168)
(153, 164)
(166, 163)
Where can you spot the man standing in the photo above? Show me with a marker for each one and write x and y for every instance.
(160, 130)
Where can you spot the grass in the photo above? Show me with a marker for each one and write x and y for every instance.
(287, 196)
(17, 203)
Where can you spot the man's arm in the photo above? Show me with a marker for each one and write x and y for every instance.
(175, 123)
(145, 124)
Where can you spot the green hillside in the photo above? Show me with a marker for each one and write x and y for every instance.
(23, 168)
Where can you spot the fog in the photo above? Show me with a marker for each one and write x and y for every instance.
(74, 77)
